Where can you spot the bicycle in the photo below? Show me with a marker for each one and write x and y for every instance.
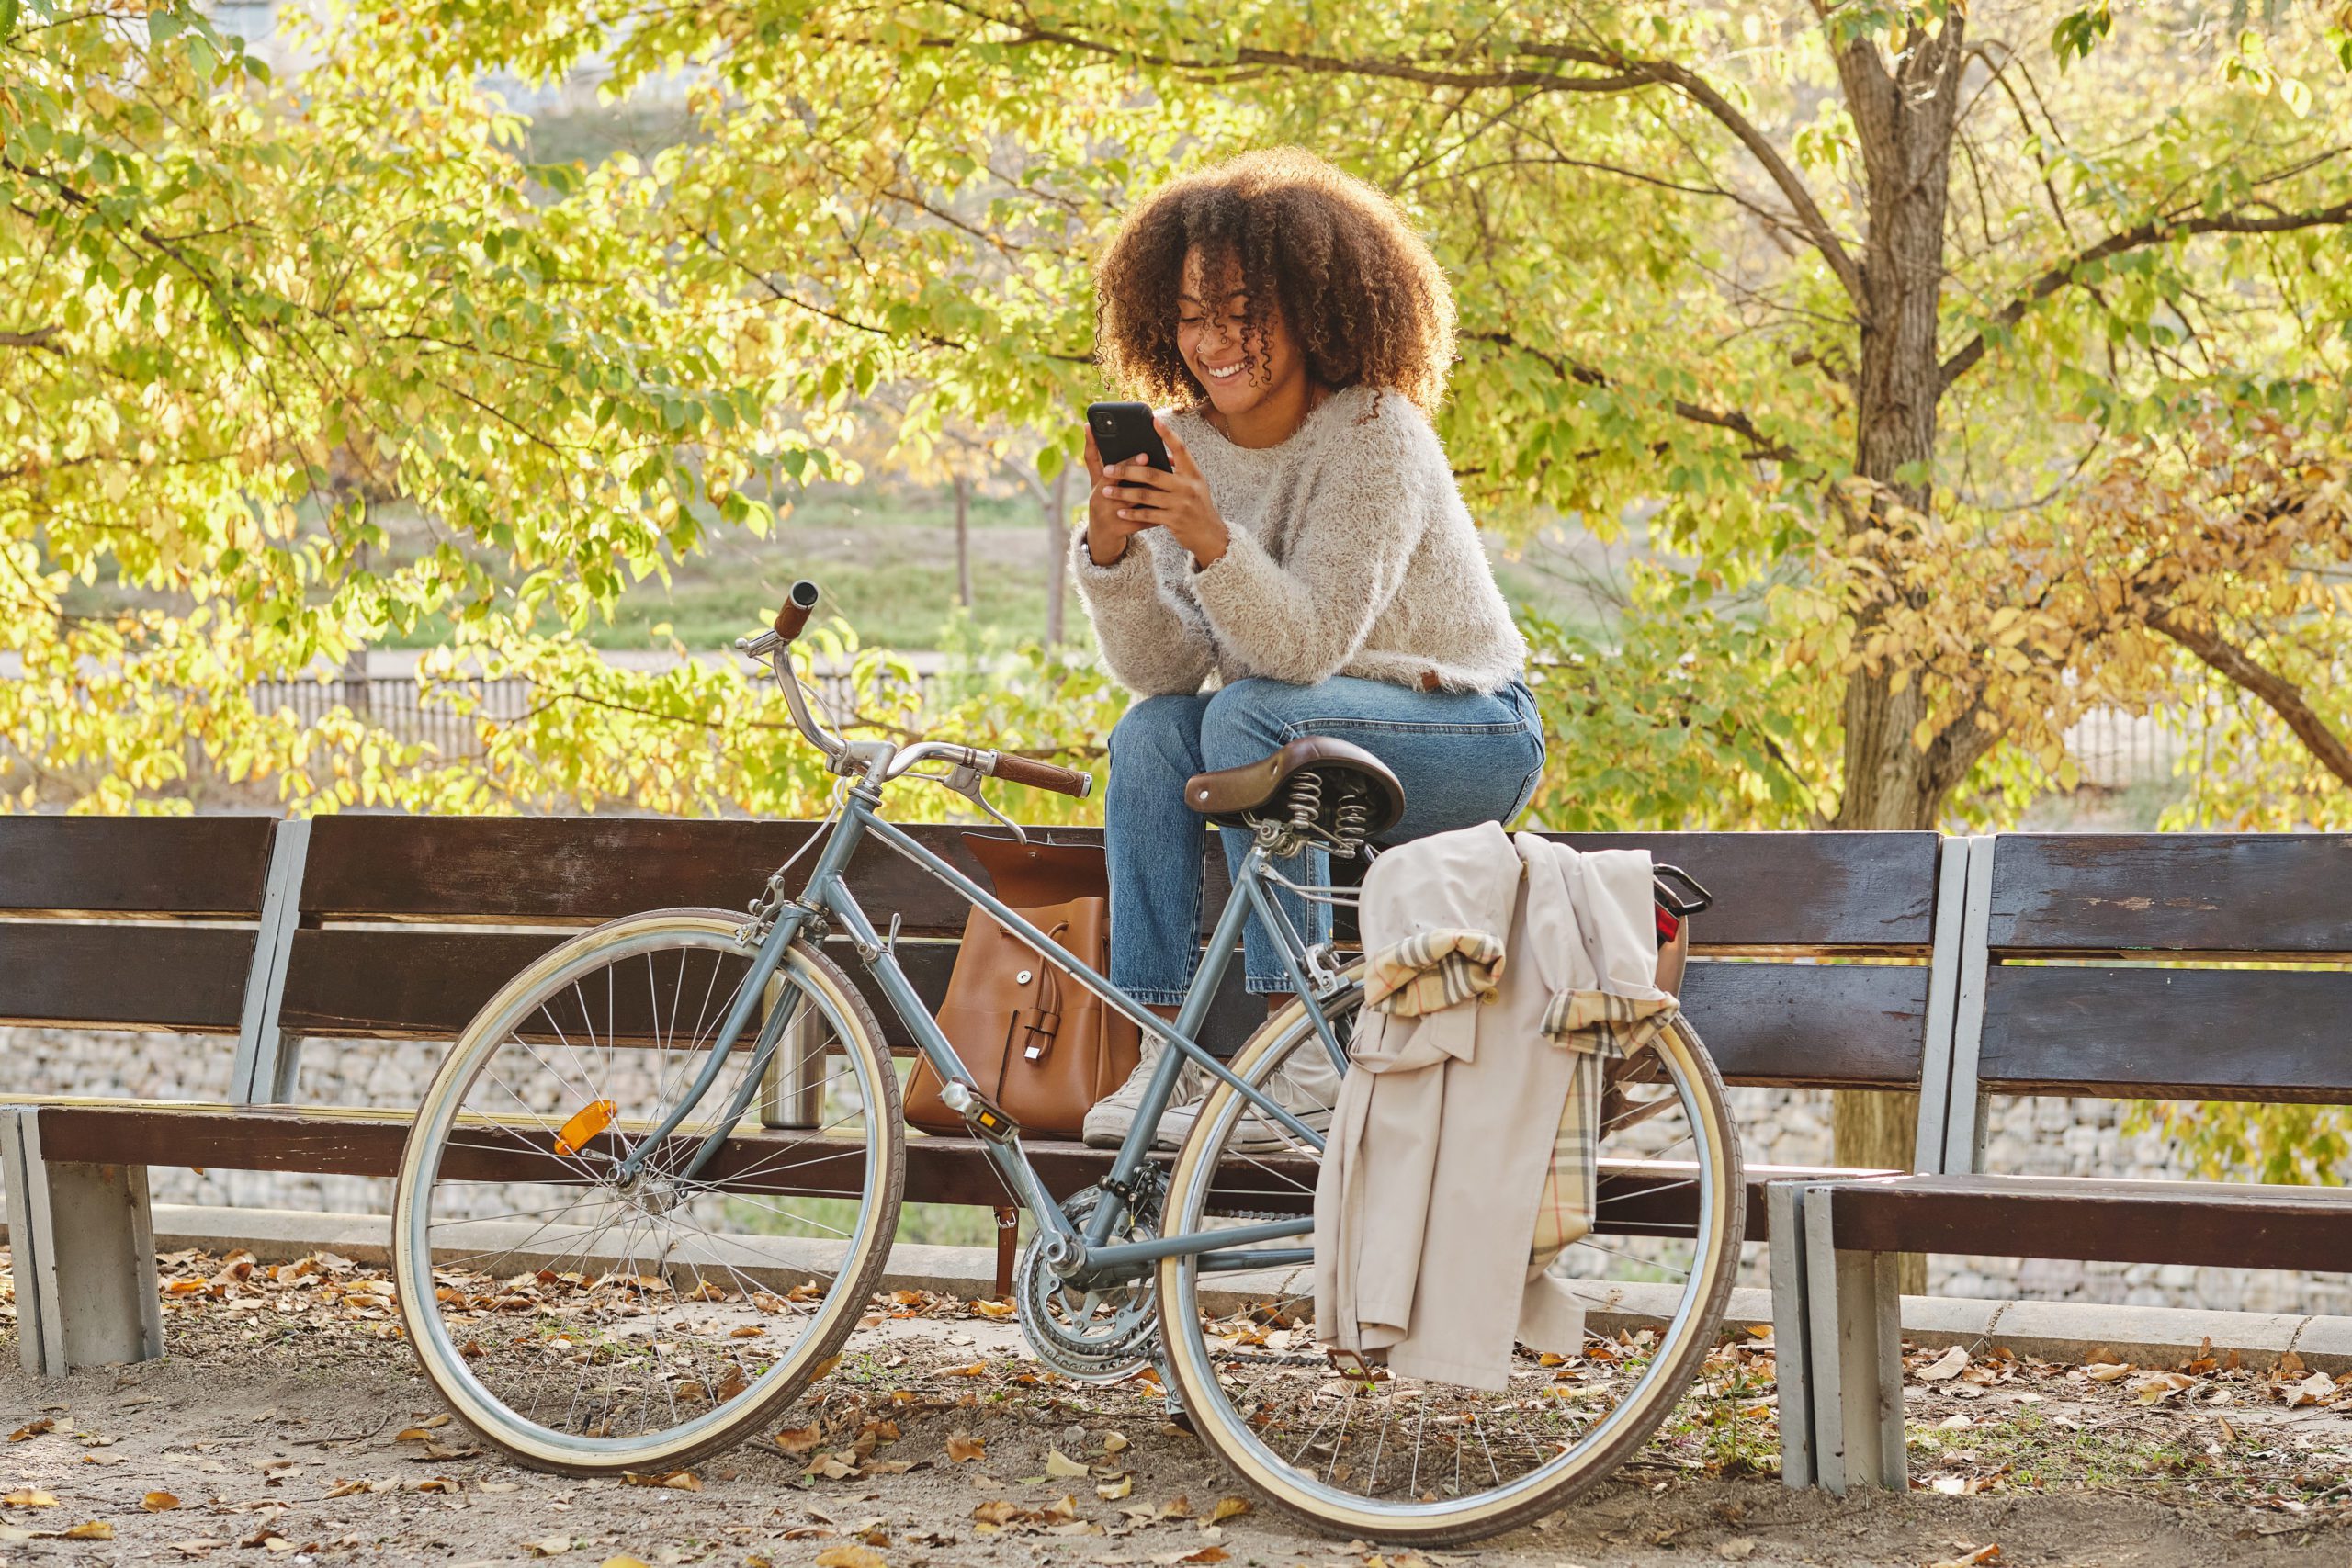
(635, 1104)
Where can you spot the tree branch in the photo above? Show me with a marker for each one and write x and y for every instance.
(2280, 694)
(2155, 232)
(1811, 222)
(1760, 447)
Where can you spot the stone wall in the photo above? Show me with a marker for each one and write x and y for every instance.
(2041, 1137)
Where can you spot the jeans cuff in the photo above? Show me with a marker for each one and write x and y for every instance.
(1269, 985)
(1155, 995)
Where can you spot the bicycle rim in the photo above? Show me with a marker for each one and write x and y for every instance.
(1362, 1453)
(591, 1324)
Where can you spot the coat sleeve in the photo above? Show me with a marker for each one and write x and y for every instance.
(1362, 516)
(1152, 647)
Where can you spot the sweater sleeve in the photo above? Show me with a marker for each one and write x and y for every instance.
(1152, 647)
(1362, 516)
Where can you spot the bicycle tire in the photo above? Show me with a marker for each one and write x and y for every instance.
(851, 1029)
(1229, 1432)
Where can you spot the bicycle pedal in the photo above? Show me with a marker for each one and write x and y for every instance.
(981, 1114)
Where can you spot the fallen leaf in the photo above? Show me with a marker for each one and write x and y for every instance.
(676, 1480)
(1969, 1557)
(998, 1310)
(1946, 1366)
(963, 1446)
(624, 1560)
(95, 1529)
(1061, 1466)
(1113, 1441)
(2107, 1371)
(2314, 1390)
(30, 1498)
(1739, 1549)
(33, 1428)
(423, 1432)
(158, 1502)
(553, 1546)
(799, 1440)
(1112, 1491)
(1229, 1508)
(847, 1556)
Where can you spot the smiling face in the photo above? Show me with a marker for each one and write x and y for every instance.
(1241, 370)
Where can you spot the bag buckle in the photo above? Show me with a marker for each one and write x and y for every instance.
(1042, 1027)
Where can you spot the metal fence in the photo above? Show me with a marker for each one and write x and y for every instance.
(406, 711)
(2115, 750)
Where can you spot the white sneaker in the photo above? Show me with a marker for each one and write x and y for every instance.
(1107, 1120)
(1305, 1085)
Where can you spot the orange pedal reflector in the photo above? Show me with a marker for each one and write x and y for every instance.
(585, 1124)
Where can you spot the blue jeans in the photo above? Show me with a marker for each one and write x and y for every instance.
(1463, 759)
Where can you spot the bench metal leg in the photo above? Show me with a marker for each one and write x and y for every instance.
(1856, 1339)
(83, 1244)
(1791, 1330)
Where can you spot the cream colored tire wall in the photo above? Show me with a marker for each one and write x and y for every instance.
(837, 1316)
(1541, 1492)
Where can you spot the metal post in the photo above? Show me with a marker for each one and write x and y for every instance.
(1856, 1336)
(83, 1247)
(1791, 1330)
(792, 1089)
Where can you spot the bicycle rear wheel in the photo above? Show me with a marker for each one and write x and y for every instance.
(591, 1323)
(1369, 1455)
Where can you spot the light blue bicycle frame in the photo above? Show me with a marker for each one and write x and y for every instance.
(1088, 1256)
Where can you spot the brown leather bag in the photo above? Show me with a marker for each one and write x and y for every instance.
(1041, 1046)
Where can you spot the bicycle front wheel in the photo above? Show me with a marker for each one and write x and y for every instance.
(1362, 1453)
(593, 1321)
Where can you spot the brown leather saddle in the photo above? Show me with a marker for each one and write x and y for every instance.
(1230, 796)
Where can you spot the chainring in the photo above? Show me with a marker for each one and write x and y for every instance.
(1100, 1335)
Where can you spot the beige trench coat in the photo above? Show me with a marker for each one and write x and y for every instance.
(1443, 1135)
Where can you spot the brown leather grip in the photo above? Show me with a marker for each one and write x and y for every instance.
(798, 601)
(1044, 775)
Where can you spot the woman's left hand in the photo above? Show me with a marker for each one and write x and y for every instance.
(1177, 501)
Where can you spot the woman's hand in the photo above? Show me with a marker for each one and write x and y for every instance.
(1143, 497)
(1107, 529)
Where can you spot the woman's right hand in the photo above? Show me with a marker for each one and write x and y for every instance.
(1107, 533)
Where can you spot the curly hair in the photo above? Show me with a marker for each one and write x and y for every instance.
(1357, 286)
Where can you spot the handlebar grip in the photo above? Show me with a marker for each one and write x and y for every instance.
(798, 601)
(1043, 775)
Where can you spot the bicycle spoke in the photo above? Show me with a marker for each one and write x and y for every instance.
(640, 1315)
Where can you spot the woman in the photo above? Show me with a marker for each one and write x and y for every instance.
(1310, 550)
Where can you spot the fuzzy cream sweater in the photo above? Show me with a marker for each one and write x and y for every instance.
(1350, 554)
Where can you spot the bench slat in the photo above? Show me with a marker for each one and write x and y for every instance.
(124, 975)
(1835, 892)
(1842, 1025)
(1630, 1201)
(152, 865)
(2236, 1035)
(2221, 1225)
(2219, 893)
(1775, 891)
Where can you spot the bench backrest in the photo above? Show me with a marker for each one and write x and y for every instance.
(2118, 964)
(143, 922)
(1813, 968)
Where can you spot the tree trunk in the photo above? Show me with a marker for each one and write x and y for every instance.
(1057, 552)
(1904, 118)
(963, 541)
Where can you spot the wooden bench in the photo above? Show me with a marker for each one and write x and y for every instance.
(372, 927)
(2089, 965)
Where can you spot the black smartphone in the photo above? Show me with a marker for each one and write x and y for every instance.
(1123, 432)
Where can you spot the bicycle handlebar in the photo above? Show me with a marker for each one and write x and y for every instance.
(798, 601)
(1043, 775)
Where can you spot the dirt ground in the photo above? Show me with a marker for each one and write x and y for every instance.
(287, 1423)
